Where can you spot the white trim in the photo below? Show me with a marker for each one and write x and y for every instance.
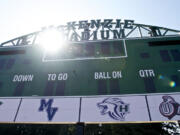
(92, 96)
(126, 55)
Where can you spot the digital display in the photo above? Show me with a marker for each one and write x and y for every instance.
(89, 50)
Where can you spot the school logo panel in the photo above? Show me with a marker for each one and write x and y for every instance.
(164, 107)
(47, 106)
(8, 109)
(49, 110)
(169, 107)
(114, 107)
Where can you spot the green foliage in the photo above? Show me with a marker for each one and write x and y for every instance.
(171, 128)
(91, 129)
(124, 129)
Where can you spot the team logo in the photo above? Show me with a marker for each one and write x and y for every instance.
(47, 105)
(114, 107)
(169, 107)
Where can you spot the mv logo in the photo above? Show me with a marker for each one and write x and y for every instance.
(47, 106)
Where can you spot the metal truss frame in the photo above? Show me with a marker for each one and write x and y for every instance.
(138, 31)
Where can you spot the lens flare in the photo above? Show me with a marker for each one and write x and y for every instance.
(172, 84)
(161, 77)
(51, 40)
(166, 81)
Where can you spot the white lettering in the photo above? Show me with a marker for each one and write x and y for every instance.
(151, 73)
(107, 75)
(101, 75)
(15, 78)
(20, 78)
(60, 76)
(141, 73)
(23, 78)
(146, 73)
(116, 74)
(63, 76)
(51, 77)
(96, 75)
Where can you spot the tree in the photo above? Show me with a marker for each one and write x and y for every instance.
(171, 128)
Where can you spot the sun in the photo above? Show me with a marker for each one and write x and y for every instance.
(51, 40)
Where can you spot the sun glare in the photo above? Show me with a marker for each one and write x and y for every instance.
(51, 40)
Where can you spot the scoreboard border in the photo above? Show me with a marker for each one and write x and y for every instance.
(125, 56)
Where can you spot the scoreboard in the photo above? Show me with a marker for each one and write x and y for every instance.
(115, 79)
(130, 66)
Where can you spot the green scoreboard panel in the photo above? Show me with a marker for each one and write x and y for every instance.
(109, 67)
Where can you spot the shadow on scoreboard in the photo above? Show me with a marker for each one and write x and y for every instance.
(88, 51)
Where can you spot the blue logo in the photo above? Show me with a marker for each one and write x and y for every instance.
(114, 107)
(47, 105)
(169, 107)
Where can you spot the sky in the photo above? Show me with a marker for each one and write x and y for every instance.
(20, 17)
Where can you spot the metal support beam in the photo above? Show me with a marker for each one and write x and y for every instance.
(80, 128)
